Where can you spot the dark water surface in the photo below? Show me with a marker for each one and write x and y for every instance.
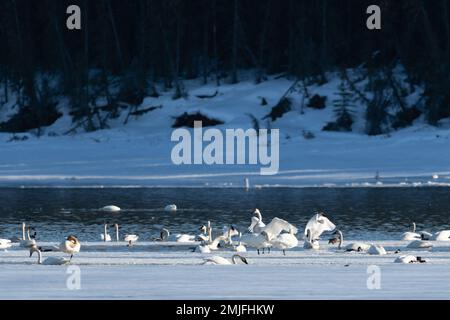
(361, 213)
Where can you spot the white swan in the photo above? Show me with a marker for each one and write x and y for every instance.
(256, 240)
(338, 237)
(409, 259)
(131, 238)
(70, 246)
(166, 236)
(310, 243)
(222, 261)
(203, 236)
(5, 244)
(285, 241)
(318, 224)
(257, 224)
(110, 209)
(376, 249)
(105, 236)
(441, 236)
(419, 244)
(116, 226)
(170, 208)
(204, 248)
(409, 236)
(26, 242)
(240, 248)
(50, 260)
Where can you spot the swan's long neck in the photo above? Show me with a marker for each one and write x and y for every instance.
(216, 241)
(414, 227)
(341, 239)
(233, 258)
(117, 232)
(23, 230)
(39, 256)
(258, 215)
(105, 233)
(209, 232)
(28, 234)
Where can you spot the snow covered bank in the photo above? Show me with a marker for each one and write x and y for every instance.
(139, 153)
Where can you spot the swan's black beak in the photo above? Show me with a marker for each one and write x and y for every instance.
(244, 261)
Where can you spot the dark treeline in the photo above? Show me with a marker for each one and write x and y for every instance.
(126, 50)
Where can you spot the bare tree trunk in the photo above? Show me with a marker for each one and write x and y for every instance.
(235, 44)
(216, 55)
(116, 36)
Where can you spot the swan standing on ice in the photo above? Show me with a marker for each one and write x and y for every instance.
(222, 261)
(285, 241)
(317, 225)
(110, 209)
(207, 247)
(257, 225)
(409, 259)
(271, 231)
(49, 260)
(170, 208)
(26, 242)
(419, 244)
(105, 236)
(70, 246)
(5, 244)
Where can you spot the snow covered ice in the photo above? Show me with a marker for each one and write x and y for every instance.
(171, 271)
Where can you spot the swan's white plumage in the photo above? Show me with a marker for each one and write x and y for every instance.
(5, 244)
(276, 226)
(419, 244)
(170, 208)
(406, 259)
(285, 241)
(55, 261)
(110, 209)
(357, 246)
(441, 236)
(317, 225)
(376, 250)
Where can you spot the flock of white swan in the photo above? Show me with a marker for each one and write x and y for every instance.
(278, 234)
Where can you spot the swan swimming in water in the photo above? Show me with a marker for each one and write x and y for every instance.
(70, 246)
(105, 236)
(110, 209)
(222, 261)
(409, 259)
(131, 239)
(170, 208)
(49, 260)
